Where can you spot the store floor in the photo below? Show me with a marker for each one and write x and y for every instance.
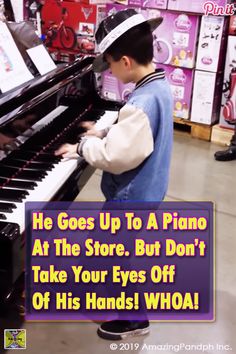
(195, 175)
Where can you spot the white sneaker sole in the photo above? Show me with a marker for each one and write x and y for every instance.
(124, 335)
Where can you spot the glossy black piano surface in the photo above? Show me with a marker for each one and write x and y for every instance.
(35, 119)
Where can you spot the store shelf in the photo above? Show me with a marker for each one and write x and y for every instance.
(221, 136)
(199, 131)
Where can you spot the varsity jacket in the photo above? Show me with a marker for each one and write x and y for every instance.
(135, 154)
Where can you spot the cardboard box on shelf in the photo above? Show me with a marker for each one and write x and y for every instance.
(181, 83)
(206, 97)
(175, 41)
(232, 25)
(30, 9)
(113, 89)
(211, 46)
(114, 8)
(221, 136)
(230, 65)
(71, 25)
(92, 2)
(154, 4)
(196, 6)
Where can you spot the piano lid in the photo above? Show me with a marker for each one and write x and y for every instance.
(12, 101)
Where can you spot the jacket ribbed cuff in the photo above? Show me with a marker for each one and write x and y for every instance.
(79, 149)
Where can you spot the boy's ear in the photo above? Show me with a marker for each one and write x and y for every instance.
(127, 61)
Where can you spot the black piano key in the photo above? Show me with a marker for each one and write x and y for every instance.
(31, 175)
(9, 172)
(3, 216)
(12, 195)
(35, 165)
(18, 184)
(52, 149)
(21, 154)
(7, 207)
(29, 155)
(31, 166)
(48, 158)
(93, 114)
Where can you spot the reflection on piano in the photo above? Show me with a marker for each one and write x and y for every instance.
(35, 120)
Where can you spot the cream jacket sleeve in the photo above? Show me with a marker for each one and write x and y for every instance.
(127, 144)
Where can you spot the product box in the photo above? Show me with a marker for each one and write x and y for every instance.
(232, 25)
(94, 2)
(175, 40)
(206, 97)
(71, 25)
(31, 12)
(181, 83)
(228, 91)
(18, 9)
(113, 89)
(111, 9)
(211, 46)
(155, 4)
(30, 8)
(196, 6)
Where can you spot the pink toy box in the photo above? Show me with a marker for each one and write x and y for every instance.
(181, 83)
(175, 41)
(232, 25)
(154, 4)
(113, 89)
(196, 6)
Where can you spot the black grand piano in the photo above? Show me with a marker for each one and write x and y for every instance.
(35, 119)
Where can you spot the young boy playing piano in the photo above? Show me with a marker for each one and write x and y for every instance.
(135, 152)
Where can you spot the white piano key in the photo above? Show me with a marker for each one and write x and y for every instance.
(45, 190)
(106, 120)
(55, 178)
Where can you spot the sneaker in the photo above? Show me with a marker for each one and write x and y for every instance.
(115, 330)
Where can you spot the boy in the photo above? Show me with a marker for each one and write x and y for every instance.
(134, 153)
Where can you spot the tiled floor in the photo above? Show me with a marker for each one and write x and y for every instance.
(194, 176)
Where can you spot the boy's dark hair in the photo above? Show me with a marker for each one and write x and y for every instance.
(136, 43)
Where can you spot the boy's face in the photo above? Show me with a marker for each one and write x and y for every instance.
(121, 69)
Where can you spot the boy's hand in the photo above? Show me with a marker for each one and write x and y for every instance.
(67, 151)
(91, 130)
(70, 150)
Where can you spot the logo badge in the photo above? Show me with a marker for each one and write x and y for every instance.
(14, 339)
(87, 11)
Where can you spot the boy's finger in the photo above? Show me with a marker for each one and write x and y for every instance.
(66, 155)
(87, 124)
(88, 132)
(62, 149)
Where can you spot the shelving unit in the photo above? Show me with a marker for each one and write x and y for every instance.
(197, 130)
(221, 136)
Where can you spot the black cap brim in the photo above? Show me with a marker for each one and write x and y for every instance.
(100, 64)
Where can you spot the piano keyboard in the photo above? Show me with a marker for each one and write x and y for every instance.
(53, 174)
